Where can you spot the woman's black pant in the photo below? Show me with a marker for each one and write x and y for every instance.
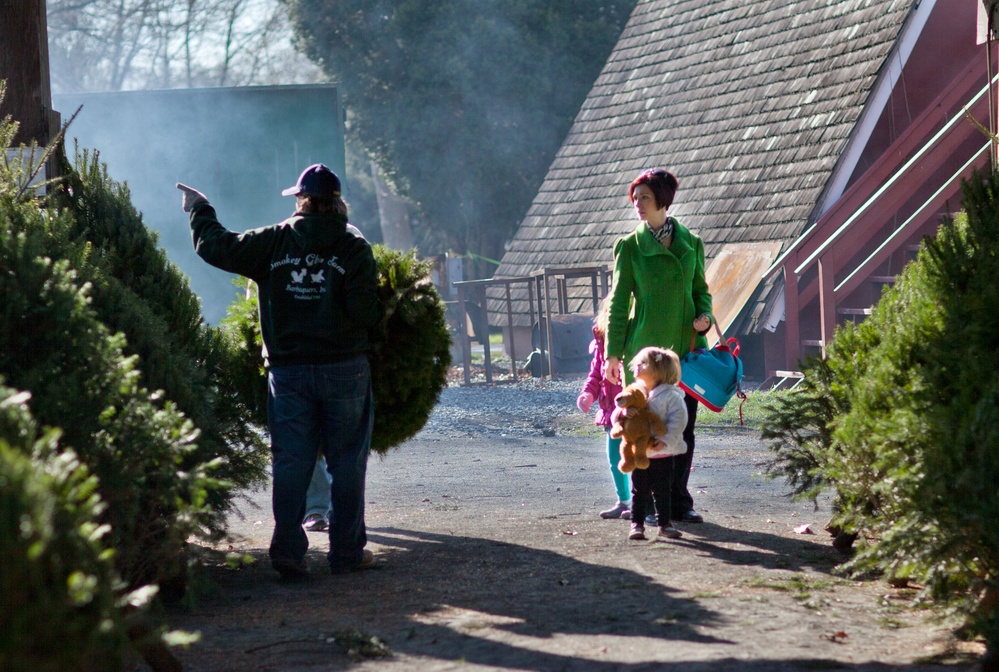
(680, 500)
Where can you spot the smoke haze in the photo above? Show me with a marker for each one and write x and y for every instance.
(239, 146)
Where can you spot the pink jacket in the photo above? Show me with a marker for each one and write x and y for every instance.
(603, 390)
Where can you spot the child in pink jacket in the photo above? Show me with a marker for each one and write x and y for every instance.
(601, 390)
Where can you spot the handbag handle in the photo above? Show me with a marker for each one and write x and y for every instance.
(721, 338)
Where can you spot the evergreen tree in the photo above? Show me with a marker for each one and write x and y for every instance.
(137, 291)
(412, 348)
(462, 104)
(908, 438)
(139, 445)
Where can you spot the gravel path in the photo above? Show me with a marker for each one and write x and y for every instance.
(508, 410)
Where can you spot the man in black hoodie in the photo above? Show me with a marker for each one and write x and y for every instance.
(317, 290)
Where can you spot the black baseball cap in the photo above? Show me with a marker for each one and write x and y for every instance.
(316, 180)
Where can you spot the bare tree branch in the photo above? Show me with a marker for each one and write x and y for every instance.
(118, 44)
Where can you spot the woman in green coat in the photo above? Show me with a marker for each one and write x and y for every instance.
(659, 298)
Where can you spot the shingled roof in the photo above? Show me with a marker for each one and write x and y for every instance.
(749, 103)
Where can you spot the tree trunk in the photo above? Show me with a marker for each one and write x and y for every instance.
(24, 64)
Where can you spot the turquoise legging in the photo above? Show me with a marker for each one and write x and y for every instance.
(621, 481)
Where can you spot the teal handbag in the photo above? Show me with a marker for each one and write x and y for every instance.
(713, 375)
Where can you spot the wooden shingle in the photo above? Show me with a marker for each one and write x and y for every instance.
(750, 104)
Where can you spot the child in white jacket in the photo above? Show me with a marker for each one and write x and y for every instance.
(658, 369)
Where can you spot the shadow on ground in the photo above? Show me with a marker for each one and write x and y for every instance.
(439, 600)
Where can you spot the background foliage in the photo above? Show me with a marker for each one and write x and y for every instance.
(112, 45)
(462, 104)
(901, 421)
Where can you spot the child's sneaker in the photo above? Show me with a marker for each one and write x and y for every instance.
(617, 511)
(668, 533)
(314, 522)
(637, 532)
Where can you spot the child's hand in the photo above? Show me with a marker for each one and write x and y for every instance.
(658, 446)
(619, 412)
(584, 402)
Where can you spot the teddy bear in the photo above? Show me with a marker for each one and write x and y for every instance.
(635, 430)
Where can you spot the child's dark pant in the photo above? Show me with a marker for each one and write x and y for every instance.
(653, 484)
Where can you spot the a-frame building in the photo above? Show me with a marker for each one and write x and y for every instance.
(815, 141)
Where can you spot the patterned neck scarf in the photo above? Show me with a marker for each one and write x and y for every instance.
(663, 233)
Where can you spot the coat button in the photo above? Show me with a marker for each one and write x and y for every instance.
(678, 277)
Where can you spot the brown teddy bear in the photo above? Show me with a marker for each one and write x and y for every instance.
(635, 430)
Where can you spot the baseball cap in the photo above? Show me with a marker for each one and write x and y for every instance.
(316, 180)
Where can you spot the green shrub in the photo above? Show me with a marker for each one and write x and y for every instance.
(411, 348)
(798, 428)
(138, 445)
(61, 610)
(410, 352)
(92, 228)
(900, 420)
(137, 291)
(803, 429)
(241, 328)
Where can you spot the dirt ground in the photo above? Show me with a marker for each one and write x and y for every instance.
(490, 556)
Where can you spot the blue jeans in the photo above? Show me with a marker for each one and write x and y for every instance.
(329, 406)
(317, 499)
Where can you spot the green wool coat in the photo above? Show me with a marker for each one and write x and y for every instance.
(656, 295)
